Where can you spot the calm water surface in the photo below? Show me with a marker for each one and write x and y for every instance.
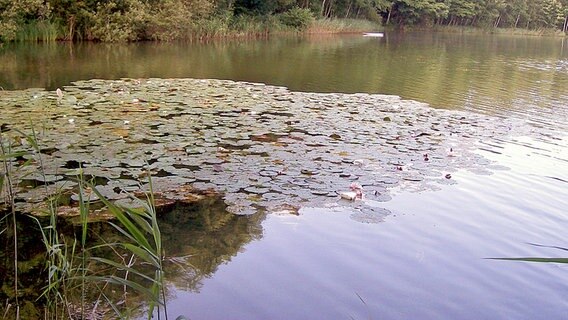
(425, 261)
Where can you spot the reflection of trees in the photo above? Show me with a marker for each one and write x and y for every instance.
(208, 236)
(203, 232)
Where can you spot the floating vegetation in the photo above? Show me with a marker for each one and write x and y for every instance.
(370, 215)
(260, 146)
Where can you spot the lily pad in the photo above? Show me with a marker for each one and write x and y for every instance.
(249, 140)
(370, 215)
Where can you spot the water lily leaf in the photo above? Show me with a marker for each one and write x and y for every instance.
(370, 215)
(245, 139)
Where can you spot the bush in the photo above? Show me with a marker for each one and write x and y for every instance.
(297, 18)
(14, 15)
(119, 21)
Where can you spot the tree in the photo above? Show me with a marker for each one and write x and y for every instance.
(419, 11)
(15, 14)
(460, 11)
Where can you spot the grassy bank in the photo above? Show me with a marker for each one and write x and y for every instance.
(253, 26)
(40, 31)
(212, 28)
(342, 26)
(135, 20)
(502, 31)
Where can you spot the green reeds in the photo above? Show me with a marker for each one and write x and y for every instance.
(144, 243)
(60, 257)
(342, 26)
(41, 30)
(233, 27)
(74, 266)
(253, 26)
(7, 156)
(497, 31)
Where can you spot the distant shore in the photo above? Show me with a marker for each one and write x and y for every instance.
(547, 32)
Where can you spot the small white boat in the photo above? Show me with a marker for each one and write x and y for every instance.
(374, 34)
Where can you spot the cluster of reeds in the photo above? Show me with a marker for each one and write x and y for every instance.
(80, 280)
(40, 30)
(342, 26)
(500, 31)
(220, 26)
(236, 27)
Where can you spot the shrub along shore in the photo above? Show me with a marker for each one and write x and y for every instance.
(164, 20)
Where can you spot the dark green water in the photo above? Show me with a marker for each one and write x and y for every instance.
(426, 260)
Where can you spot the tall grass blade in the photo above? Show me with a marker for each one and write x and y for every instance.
(529, 259)
(538, 259)
(145, 255)
(545, 246)
(140, 220)
(13, 155)
(135, 232)
(138, 225)
(122, 267)
(122, 231)
(110, 303)
(155, 291)
(125, 282)
(84, 215)
(4, 151)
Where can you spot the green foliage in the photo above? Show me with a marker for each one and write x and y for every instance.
(39, 31)
(168, 21)
(534, 14)
(76, 277)
(144, 243)
(15, 14)
(419, 11)
(165, 20)
(342, 26)
(119, 21)
(297, 18)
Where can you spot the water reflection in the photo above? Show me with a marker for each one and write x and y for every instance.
(198, 238)
(425, 261)
(203, 237)
(494, 74)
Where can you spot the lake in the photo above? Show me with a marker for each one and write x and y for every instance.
(426, 258)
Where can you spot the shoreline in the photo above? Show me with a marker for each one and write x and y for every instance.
(331, 27)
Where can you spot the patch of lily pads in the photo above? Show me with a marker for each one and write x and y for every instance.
(261, 147)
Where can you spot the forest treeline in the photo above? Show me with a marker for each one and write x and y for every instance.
(132, 20)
